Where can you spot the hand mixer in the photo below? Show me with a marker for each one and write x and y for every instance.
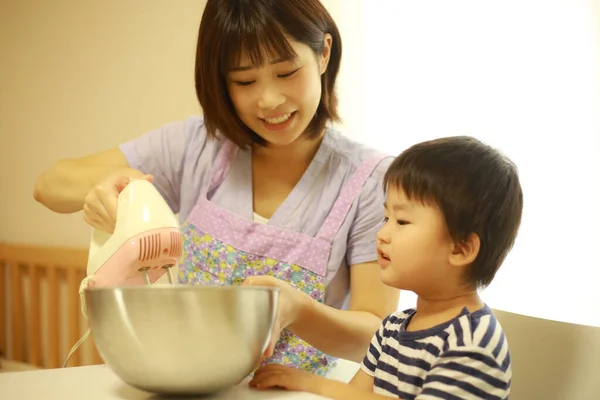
(146, 244)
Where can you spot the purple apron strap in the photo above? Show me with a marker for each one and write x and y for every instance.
(349, 192)
(222, 164)
(340, 208)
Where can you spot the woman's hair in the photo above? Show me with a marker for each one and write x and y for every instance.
(232, 28)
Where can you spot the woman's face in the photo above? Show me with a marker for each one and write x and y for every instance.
(279, 99)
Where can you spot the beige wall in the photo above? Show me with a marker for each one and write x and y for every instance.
(77, 77)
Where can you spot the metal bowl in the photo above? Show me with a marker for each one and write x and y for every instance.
(181, 339)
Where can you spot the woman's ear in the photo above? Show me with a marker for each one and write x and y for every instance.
(324, 58)
(465, 252)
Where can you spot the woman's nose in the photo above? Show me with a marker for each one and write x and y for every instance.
(271, 98)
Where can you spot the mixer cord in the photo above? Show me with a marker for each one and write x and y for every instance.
(82, 286)
(76, 346)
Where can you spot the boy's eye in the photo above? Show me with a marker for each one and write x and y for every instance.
(401, 222)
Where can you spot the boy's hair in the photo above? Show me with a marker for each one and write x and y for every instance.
(231, 28)
(476, 188)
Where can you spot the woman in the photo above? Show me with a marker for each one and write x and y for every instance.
(266, 192)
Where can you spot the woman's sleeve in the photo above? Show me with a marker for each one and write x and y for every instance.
(362, 236)
(163, 152)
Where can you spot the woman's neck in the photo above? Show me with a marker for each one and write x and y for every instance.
(301, 151)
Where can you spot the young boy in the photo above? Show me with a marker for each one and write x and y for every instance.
(453, 210)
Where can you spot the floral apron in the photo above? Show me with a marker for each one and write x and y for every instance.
(222, 248)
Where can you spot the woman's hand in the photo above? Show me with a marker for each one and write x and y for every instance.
(100, 204)
(293, 379)
(290, 302)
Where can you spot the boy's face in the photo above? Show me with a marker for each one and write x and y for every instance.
(413, 244)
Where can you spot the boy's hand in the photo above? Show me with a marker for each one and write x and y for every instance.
(293, 379)
(289, 305)
(279, 376)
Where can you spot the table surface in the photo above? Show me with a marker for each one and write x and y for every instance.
(99, 382)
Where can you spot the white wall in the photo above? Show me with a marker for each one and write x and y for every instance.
(77, 77)
(522, 75)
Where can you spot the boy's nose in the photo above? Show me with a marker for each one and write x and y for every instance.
(383, 235)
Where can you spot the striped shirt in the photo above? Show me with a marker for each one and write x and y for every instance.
(464, 358)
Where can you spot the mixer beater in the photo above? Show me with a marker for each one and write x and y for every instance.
(167, 267)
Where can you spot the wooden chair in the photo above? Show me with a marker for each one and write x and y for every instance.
(40, 310)
(552, 360)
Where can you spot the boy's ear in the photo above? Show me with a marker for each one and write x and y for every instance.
(465, 252)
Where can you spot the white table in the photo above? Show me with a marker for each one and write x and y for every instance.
(98, 382)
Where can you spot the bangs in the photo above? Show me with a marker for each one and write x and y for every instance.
(417, 185)
(254, 39)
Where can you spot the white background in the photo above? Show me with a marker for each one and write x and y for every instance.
(522, 75)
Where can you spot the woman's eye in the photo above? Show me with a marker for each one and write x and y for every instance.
(243, 83)
(402, 222)
(385, 220)
(289, 74)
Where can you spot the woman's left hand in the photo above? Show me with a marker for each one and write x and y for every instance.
(290, 304)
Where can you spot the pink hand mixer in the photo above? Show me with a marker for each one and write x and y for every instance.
(146, 244)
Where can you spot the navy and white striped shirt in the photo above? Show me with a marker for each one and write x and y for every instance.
(464, 358)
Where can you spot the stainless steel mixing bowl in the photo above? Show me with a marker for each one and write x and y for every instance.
(181, 339)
